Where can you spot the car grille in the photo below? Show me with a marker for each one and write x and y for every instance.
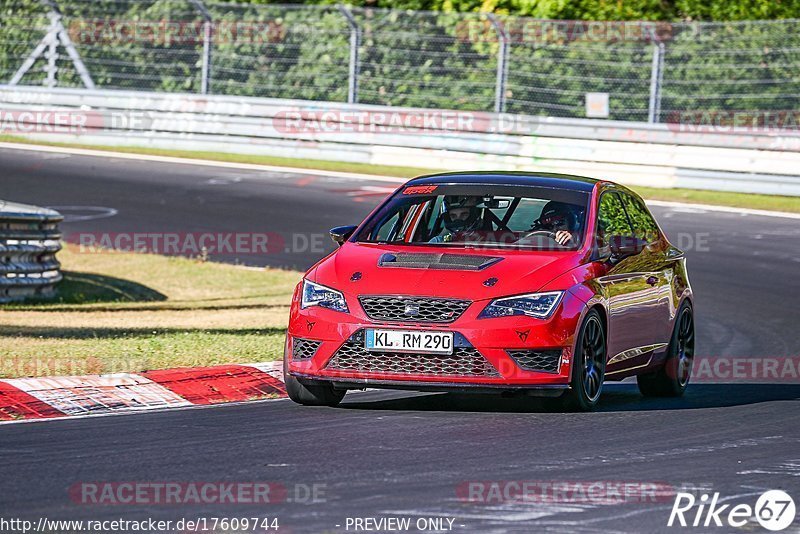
(465, 361)
(304, 349)
(533, 360)
(414, 309)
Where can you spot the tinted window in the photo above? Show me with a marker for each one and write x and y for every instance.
(644, 226)
(480, 215)
(611, 219)
(388, 228)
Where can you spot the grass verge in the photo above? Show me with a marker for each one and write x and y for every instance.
(718, 198)
(128, 312)
(722, 198)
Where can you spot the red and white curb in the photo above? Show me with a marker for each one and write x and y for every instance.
(71, 396)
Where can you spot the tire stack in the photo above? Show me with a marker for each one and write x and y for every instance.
(29, 241)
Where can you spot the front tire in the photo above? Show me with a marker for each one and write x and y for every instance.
(588, 368)
(317, 394)
(673, 377)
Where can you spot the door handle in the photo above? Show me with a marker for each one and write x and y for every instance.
(652, 280)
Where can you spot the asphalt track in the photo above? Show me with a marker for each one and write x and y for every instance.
(405, 454)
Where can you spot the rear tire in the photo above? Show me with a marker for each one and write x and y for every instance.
(673, 377)
(319, 393)
(588, 368)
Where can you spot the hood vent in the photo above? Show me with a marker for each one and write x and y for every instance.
(453, 262)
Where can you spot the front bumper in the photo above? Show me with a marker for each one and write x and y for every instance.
(493, 341)
(539, 390)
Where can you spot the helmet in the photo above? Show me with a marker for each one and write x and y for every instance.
(556, 215)
(466, 208)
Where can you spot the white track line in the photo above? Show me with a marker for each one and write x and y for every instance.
(337, 174)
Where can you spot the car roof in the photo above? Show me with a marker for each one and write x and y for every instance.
(533, 179)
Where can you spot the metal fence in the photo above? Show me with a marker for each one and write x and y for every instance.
(29, 240)
(469, 61)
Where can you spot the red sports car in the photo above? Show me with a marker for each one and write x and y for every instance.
(537, 284)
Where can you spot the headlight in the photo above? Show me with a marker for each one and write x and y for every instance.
(317, 295)
(539, 305)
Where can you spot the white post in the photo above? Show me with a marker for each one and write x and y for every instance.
(502, 65)
(355, 43)
(56, 33)
(656, 79)
(208, 32)
(205, 74)
(77, 62)
(52, 51)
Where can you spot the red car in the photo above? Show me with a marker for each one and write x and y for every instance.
(537, 284)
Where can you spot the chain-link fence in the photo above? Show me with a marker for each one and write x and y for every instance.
(641, 71)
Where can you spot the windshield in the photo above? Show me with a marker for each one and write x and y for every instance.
(480, 215)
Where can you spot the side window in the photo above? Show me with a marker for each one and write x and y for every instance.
(644, 226)
(611, 220)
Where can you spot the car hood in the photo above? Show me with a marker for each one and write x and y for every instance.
(474, 274)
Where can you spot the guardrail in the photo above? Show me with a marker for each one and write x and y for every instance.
(755, 160)
(29, 240)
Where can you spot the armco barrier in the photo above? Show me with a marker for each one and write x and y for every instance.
(656, 155)
(29, 240)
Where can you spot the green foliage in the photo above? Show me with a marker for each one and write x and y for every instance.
(664, 10)
(446, 58)
(281, 52)
(722, 10)
(21, 23)
(737, 66)
(422, 60)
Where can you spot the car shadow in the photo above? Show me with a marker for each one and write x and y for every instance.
(616, 398)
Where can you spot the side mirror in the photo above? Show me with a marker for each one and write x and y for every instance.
(623, 246)
(340, 234)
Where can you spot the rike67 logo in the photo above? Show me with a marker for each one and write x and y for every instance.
(774, 510)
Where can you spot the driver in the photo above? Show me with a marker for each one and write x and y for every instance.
(559, 218)
(461, 214)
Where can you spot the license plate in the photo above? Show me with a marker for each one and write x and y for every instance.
(410, 341)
